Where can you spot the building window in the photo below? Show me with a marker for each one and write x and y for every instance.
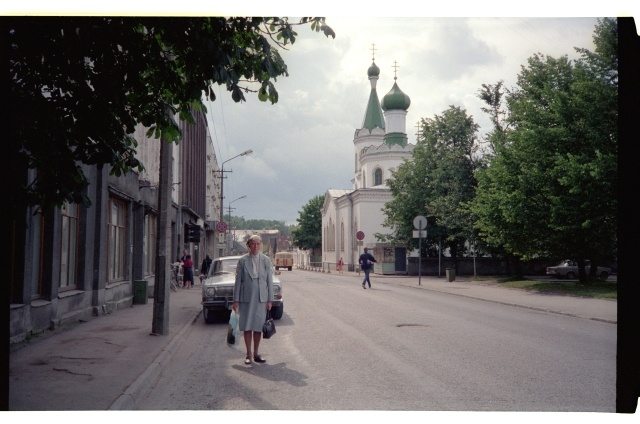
(116, 243)
(69, 245)
(377, 177)
(150, 244)
(342, 236)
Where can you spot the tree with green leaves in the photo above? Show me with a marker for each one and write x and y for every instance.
(438, 183)
(79, 85)
(239, 222)
(550, 188)
(308, 233)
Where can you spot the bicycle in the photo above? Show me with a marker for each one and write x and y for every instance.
(172, 284)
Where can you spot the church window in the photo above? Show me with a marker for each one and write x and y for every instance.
(377, 177)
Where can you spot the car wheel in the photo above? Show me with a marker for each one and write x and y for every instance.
(290, 268)
(604, 275)
(570, 275)
(277, 311)
(209, 317)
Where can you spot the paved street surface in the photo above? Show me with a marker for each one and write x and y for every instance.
(397, 348)
(112, 362)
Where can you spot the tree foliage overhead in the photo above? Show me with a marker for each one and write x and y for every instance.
(550, 188)
(79, 86)
(308, 234)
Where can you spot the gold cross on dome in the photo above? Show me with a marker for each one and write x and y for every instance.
(395, 67)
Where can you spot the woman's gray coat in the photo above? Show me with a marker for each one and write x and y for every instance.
(253, 294)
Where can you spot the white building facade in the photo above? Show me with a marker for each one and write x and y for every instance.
(352, 217)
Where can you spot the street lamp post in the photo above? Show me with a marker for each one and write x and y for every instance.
(229, 226)
(222, 171)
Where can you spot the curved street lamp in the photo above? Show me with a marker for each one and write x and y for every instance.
(222, 171)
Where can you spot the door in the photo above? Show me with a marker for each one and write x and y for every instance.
(401, 260)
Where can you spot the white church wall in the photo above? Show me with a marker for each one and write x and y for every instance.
(396, 121)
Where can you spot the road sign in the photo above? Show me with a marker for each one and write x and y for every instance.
(420, 222)
(360, 235)
(221, 226)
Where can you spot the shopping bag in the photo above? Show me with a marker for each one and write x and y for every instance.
(269, 327)
(233, 334)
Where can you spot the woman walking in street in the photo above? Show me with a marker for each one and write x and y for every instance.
(252, 296)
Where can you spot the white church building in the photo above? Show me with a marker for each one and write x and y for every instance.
(351, 217)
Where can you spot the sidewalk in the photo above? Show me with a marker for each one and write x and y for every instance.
(110, 361)
(104, 363)
(604, 310)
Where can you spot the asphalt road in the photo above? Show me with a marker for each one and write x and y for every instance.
(395, 348)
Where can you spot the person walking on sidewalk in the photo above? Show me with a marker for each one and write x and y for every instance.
(366, 262)
(252, 296)
(204, 269)
(340, 265)
(187, 271)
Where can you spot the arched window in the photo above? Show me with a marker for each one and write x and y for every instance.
(377, 177)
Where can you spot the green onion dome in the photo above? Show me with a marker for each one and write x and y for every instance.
(395, 99)
(373, 70)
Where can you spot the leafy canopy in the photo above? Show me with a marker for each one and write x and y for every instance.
(437, 183)
(308, 234)
(80, 85)
(549, 189)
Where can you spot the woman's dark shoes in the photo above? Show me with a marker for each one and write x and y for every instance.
(259, 359)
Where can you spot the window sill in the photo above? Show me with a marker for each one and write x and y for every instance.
(69, 293)
(116, 284)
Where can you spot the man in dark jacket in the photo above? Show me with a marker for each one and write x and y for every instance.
(366, 263)
(204, 268)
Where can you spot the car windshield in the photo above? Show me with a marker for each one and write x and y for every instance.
(225, 266)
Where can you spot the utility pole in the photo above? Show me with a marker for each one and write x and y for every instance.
(160, 324)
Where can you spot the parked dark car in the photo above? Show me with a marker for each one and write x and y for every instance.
(569, 269)
(217, 290)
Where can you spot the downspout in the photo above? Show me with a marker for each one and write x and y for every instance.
(351, 235)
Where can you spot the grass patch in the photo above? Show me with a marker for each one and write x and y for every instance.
(595, 288)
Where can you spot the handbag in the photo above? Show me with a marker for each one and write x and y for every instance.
(269, 327)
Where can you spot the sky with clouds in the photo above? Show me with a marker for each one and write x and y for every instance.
(303, 145)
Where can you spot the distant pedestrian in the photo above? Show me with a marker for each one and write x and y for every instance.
(366, 262)
(204, 268)
(340, 265)
(187, 272)
(185, 252)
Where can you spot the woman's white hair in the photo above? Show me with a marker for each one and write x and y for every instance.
(252, 238)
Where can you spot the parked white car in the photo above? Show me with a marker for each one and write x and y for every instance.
(569, 269)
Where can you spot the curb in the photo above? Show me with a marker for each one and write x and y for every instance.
(127, 400)
(513, 304)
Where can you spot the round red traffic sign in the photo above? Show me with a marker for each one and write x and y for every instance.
(221, 226)
(360, 235)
